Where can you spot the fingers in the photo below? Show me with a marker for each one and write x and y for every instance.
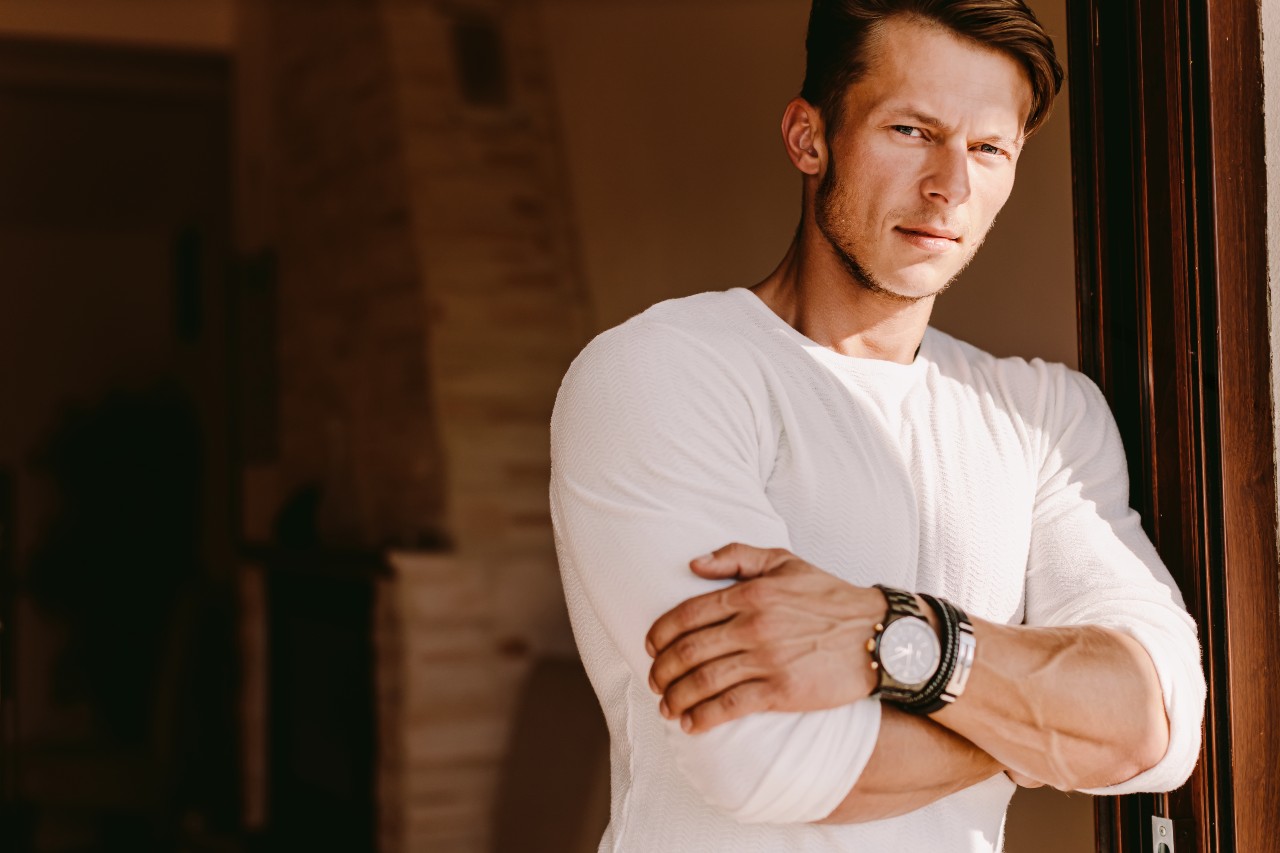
(736, 560)
(691, 651)
(706, 682)
(746, 697)
(691, 615)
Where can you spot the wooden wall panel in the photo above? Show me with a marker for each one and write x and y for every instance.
(1170, 219)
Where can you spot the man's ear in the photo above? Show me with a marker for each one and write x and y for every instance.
(804, 136)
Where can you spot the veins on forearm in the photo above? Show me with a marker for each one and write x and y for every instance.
(1062, 705)
(916, 762)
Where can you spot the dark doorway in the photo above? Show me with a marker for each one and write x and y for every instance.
(114, 227)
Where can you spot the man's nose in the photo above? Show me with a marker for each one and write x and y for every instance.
(947, 180)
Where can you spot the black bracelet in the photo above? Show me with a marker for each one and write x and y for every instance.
(933, 688)
(953, 673)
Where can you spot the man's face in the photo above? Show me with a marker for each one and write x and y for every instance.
(923, 160)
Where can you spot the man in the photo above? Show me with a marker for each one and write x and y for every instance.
(921, 580)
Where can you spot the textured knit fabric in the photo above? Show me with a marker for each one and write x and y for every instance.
(997, 483)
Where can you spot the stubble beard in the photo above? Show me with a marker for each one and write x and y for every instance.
(827, 214)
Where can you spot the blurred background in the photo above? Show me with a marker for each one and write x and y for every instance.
(289, 287)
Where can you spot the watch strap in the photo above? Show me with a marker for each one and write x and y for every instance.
(901, 603)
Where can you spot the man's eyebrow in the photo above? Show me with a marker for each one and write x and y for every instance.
(917, 117)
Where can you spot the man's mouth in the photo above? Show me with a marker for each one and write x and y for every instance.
(931, 239)
(928, 231)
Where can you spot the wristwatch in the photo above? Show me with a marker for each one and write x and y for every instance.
(905, 651)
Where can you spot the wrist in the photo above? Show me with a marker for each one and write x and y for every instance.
(921, 655)
(905, 652)
(959, 648)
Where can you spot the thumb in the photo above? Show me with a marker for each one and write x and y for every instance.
(736, 560)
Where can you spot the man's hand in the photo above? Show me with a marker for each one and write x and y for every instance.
(790, 637)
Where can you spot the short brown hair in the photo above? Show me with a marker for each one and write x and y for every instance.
(839, 29)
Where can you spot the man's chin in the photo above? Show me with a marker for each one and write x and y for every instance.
(904, 281)
(908, 291)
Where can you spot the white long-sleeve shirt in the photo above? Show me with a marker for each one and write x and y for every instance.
(999, 484)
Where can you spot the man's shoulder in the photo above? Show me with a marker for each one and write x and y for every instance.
(680, 365)
(959, 356)
(1034, 387)
(697, 348)
(707, 329)
(713, 313)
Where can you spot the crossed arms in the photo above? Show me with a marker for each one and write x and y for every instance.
(648, 472)
(1076, 707)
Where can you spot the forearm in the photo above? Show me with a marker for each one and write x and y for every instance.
(1076, 707)
(915, 763)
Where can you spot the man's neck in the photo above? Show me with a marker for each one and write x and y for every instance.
(815, 294)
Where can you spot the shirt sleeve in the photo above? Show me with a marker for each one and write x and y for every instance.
(660, 453)
(1091, 563)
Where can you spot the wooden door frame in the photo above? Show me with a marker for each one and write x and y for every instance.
(1170, 200)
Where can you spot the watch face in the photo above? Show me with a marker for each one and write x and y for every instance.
(909, 650)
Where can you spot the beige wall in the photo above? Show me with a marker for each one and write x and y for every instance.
(670, 114)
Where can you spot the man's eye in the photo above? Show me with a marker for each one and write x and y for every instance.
(907, 130)
(988, 148)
